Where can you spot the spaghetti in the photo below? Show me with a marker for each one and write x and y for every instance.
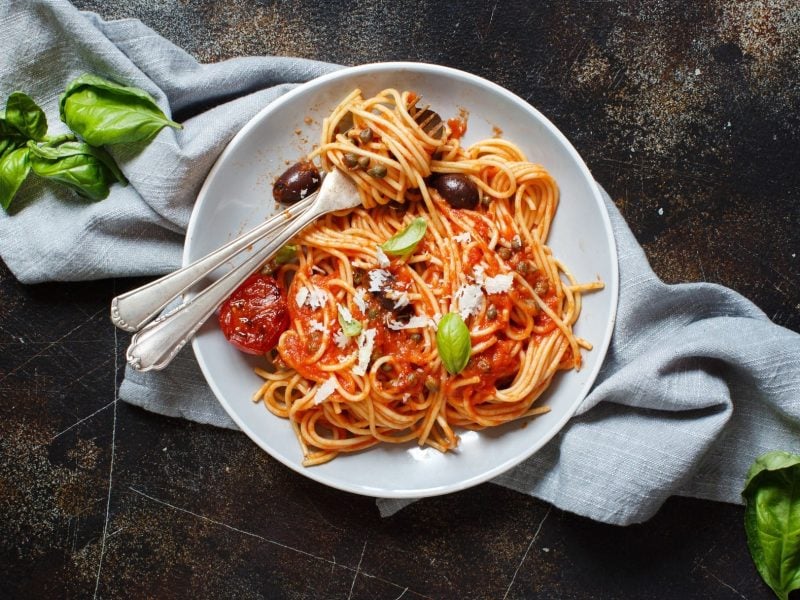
(360, 364)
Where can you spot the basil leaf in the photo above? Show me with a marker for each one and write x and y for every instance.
(285, 254)
(404, 242)
(453, 342)
(87, 170)
(772, 519)
(10, 137)
(26, 116)
(14, 168)
(350, 326)
(104, 112)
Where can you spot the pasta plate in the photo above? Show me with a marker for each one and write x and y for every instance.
(237, 195)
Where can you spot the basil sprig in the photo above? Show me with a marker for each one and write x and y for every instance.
(99, 111)
(86, 169)
(772, 519)
(14, 168)
(405, 242)
(453, 343)
(104, 112)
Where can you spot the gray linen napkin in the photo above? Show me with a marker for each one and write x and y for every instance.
(697, 381)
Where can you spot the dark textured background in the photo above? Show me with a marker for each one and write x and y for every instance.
(686, 112)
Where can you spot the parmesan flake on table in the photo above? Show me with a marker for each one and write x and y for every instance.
(366, 341)
(325, 390)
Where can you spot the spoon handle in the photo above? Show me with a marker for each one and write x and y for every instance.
(133, 310)
(158, 343)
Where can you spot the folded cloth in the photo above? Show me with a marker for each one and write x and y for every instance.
(696, 384)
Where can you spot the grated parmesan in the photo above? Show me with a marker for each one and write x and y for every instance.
(359, 300)
(317, 298)
(341, 339)
(325, 390)
(469, 299)
(478, 273)
(383, 260)
(498, 284)
(316, 325)
(413, 323)
(365, 343)
(302, 295)
(377, 279)
(401, 299)
(463, 238)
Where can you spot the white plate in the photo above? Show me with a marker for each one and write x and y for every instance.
(237, 195)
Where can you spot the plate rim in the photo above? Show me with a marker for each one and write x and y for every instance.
(611, 286)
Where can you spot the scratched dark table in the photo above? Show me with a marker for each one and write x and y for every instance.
(686, 112)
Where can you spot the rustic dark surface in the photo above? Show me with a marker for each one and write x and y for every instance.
(686, 112)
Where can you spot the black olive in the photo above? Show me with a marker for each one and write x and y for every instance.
(297, 182)
(457, 189)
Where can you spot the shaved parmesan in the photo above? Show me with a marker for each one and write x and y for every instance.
(463, 238)
(383, 260)
(470, 298)
(478, 273)
(366, 341)
(325, 390)
(498, 284)
(413, 323)
(341, 340)
(359, 300)
(316, 325)
(317, 298)
(378, 279)
(401, 299)
(302, 295)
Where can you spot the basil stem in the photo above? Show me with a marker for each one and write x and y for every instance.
(14, 168)
(453, 343)
(350, 326)
(104, 112)
(87, 170)
(405, 242)
(25, 116)
(772, 519)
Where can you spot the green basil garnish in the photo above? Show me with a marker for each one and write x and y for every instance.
(350, 326)
(87, 170)
(14, 168)
(104, 112)
(25, 116)
(404, 242)
(453, 342)
(772, 519)
(285, 254)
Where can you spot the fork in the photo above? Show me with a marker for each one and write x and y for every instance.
(156, 344)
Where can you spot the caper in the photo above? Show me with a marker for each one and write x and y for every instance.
(504, 253)
(412, 378)
(386, 367)
(358, 276)
(486, 201)
(365, 135)
(516, 244)
(491, 312)
(523, 267)
(484, 365)
(431, 385)
(372, 313)
(350, 159)
(363, 161)
(416, 337)
(378, 171)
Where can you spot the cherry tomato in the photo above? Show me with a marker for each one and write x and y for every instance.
(255, 315)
